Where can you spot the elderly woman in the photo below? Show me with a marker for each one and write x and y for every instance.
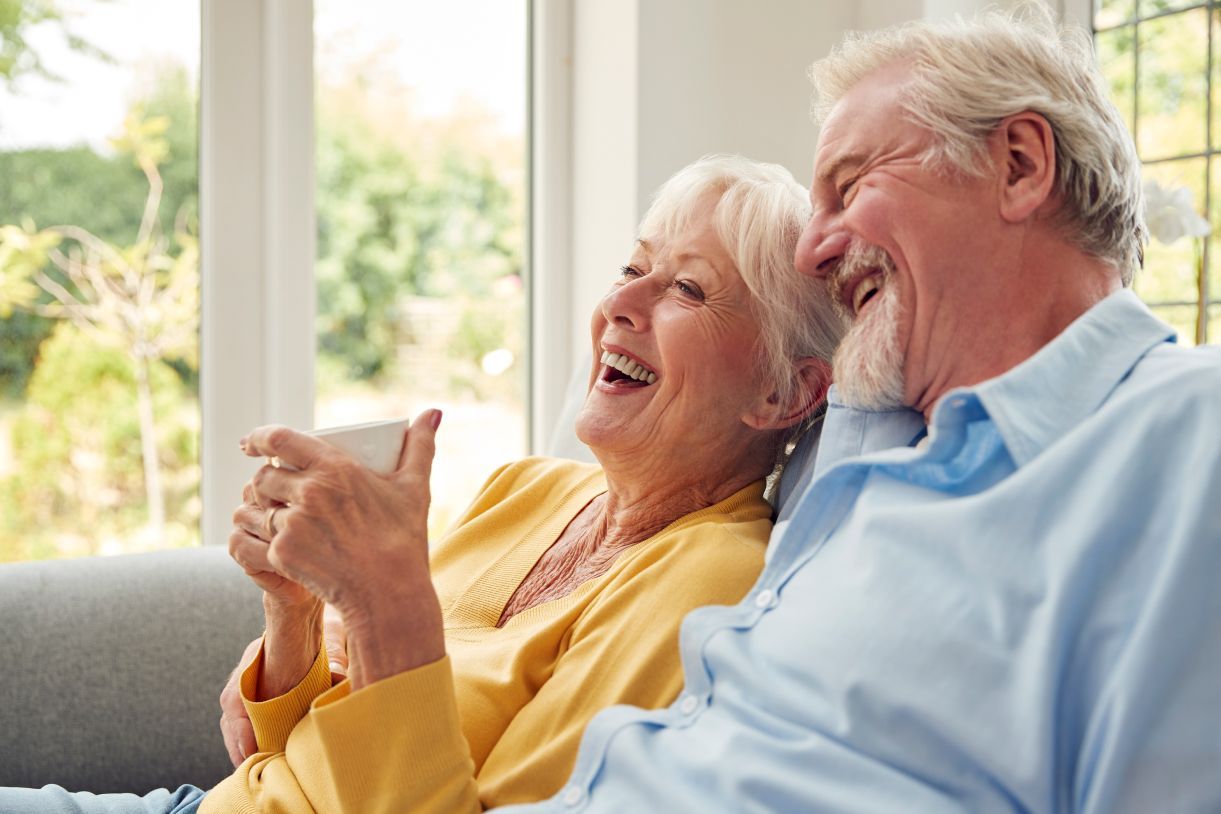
(475, 667)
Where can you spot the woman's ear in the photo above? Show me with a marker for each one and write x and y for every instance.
(813, 378)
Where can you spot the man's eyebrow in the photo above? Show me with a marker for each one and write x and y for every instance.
(829, 174)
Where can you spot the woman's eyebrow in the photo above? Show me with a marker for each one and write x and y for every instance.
(684, 257)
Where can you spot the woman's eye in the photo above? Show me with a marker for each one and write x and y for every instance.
(630, 272)
(689, 289)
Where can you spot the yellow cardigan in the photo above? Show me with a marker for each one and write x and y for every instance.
(500, 718)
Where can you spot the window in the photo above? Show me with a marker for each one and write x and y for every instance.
(420, 121)
(420, 208)
(1161, 59)
(99, 346)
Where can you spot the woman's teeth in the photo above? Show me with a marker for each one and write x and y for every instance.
(629, 368)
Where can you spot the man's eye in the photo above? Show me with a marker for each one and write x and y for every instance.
(845, 189)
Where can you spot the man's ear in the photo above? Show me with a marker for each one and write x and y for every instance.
(813, 380)
(1024, 147)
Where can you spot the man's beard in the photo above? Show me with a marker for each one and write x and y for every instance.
(868, 365)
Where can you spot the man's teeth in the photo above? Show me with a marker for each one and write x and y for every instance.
(863, 290)
(628, 367)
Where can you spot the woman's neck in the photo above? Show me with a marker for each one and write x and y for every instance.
(629, 512)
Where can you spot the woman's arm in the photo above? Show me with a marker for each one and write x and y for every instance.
(359, 541)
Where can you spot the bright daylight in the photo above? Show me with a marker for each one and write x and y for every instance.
(420, 201)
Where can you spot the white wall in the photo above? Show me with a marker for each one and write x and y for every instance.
(658, 83)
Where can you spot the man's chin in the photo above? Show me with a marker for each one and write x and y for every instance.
(863, 392)
(868, 368)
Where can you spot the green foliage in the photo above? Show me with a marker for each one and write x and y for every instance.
(77, 443)
(399, 217)
(20, 335)
(103, 195)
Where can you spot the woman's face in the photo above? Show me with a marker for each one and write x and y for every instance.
(678, 325)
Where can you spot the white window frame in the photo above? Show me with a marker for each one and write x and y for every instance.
(258, 230)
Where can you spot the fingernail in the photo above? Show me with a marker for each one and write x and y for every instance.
(336, 667)
(435, 421)
(242, 443)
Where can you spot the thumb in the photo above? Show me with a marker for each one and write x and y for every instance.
(420, 447)
(336, 637)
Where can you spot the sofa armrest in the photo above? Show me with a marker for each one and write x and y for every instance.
(112, 667)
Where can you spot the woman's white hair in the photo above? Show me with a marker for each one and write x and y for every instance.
(760, 213)
(967, 76)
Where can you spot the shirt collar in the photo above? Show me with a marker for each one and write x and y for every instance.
(849, 431)
(1041, 399)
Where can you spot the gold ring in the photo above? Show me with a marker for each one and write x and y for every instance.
(269, 523)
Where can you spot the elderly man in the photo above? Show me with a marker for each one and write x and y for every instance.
(1002, 598)
(997, 592)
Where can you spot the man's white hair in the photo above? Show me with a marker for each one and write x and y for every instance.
(967, 76)
(760, 213)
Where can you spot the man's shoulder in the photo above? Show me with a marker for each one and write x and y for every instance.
(1171, 374)
(1167, 408)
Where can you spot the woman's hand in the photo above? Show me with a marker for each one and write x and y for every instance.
(235, 726)
(357, 540)
(248, 546)
(293, 613)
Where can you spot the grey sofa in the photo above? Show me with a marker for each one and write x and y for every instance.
(110, 668)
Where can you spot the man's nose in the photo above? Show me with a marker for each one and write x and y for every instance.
(820, 248)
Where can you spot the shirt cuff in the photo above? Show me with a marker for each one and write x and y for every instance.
(275, 718)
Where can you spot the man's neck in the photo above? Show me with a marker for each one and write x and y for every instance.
(1053, 295)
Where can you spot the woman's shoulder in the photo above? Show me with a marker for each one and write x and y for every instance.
(524, 487)
(540, 473)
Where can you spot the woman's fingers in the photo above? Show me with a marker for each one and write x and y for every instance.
(421, 447)
(235, 725)
(252, 519)
(296, 449)
(250, 552)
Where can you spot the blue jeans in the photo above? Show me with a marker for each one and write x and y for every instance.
(57, 800)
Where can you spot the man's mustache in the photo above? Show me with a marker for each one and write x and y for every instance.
(860, 258)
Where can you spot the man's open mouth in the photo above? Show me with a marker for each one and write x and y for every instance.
(865, 290)
(625, 371)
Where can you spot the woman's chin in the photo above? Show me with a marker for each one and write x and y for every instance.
(598, 431)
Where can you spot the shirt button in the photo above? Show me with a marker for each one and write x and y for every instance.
(765, 599)
(573, 796)
(688, 705)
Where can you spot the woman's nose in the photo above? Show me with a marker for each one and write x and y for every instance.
(820, 248)
(628, 305)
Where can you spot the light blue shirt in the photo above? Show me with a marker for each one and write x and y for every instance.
(1021, 614)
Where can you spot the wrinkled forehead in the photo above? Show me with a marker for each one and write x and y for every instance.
(866, 116)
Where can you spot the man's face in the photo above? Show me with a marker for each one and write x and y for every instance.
(903, 246)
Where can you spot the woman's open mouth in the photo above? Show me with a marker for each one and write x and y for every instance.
(623, 371)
